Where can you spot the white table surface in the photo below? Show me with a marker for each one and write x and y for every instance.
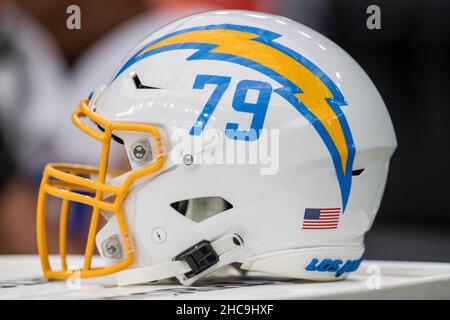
(21, 278)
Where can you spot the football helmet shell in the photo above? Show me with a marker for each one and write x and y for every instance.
(180, 99)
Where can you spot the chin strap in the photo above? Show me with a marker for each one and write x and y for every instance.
(189, 263)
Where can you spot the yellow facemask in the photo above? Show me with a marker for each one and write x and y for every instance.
(69, 183)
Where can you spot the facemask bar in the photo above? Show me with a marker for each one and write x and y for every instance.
(69, 183)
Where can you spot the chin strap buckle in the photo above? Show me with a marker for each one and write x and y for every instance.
(199, 257)
(188, 264)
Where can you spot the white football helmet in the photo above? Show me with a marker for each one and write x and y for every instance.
(252, 140)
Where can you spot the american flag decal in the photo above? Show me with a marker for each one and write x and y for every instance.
(321, 218)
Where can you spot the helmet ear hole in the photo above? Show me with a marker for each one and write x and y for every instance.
(200, 209)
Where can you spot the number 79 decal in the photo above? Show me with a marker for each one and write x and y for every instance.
(258, 109)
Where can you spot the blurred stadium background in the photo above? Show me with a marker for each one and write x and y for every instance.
(45, 69)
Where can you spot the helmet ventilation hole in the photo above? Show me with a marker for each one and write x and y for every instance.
(357, 172)
(200, 209)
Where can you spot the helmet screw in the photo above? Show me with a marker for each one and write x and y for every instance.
(111, 248)
(188, 159)
(139, 152)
